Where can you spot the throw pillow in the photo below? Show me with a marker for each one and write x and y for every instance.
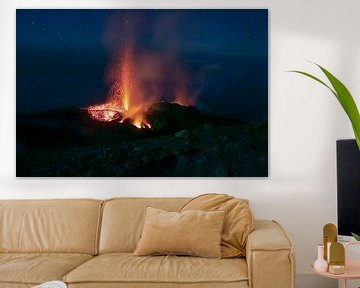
(238, 224)
(193, 232)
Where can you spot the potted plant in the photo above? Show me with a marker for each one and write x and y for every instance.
(345, 99)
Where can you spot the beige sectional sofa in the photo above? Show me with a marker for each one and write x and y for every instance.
(89, 243)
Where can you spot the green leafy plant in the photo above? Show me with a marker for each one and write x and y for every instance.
(344, 97)
(356, 236)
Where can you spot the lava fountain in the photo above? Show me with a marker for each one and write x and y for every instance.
(118, 105)
(137, 80)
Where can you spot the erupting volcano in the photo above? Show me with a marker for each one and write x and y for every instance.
(138, 82)
(118, 105)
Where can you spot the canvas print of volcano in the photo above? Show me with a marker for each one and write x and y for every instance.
(142, 93)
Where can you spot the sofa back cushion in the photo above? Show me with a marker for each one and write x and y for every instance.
(66, 226)
(123, 220)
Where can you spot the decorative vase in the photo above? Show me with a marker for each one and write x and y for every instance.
(320, 264)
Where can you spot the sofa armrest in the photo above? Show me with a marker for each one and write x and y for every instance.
(269, 256)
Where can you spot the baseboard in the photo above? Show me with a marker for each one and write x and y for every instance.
(309, 280)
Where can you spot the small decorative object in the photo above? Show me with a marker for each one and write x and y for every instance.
(344, 97)
(337, 258)
(328, 245)
(51, 284)
(336, 269)
(330, 236)
(320, 264)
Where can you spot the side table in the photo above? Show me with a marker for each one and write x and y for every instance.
(352, 268)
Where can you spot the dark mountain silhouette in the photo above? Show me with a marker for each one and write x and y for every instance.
(182, 141)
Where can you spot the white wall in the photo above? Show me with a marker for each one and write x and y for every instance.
(305, 120)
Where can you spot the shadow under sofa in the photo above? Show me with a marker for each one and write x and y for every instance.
(90, 243)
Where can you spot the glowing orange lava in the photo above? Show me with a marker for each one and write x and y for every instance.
(137, 83)
(118, 104)
(104, 113)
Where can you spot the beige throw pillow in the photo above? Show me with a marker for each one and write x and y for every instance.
(194, 232)
(239, 221)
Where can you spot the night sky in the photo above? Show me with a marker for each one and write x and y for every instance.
(62, 55)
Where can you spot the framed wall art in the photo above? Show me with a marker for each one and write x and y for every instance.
(142, 93)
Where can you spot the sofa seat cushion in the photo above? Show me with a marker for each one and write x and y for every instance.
(36, 268)
(242, 284)
(125, 267)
